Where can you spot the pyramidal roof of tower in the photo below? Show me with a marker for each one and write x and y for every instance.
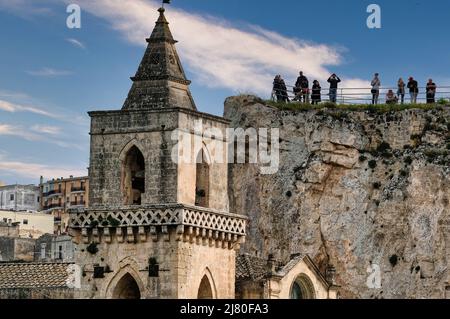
(160, 81)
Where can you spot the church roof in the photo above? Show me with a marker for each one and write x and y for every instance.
(160, 81)
(34, 275)
(251, 267)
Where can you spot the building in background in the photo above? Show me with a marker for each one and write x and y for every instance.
(54, 248)
(9, 229)
(20, 198)
(31, 225)
(58, 195)
(13, 249)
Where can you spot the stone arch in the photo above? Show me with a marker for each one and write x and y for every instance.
(206, 153)
(207, 287)
(133, 169)
(125, 284)
(126, 288)
(202, 177)
(302, 288)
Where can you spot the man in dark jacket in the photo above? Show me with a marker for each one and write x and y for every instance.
(333, 80)
(431, 92)
(280, 90)
(413, 87)
(302, 88)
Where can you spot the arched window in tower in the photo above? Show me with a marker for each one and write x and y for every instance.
(133, 177)
(302, 288)
(202, 180)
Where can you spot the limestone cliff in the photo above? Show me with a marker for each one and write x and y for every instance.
(353, 189)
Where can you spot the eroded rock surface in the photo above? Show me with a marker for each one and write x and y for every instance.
(353, 189)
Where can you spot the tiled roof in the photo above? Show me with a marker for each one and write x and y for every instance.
(250, 267)
(34, 275)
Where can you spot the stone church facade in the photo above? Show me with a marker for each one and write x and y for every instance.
(155, 227)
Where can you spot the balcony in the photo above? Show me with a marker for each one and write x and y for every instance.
(52, 193)
(81, 189)
(77, 203)
(155, 215)
(190, 222)
(53, 206)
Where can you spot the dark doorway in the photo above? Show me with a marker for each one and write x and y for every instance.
(127, 288)
(205, 290)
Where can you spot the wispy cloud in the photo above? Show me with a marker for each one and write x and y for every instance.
(12, 130)
(25, 8)
(46, 129)
(49, 72)
(14, 95)
(13, 108)
(39, 133)
(216, 51)
(76, 43)
(35, 170)
(15, 102)
(220, 54)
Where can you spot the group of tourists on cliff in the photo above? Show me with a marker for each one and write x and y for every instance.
(302, 92)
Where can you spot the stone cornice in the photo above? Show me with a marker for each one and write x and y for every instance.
(160, 78)
(160, 110)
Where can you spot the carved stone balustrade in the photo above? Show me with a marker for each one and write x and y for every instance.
(140, 223)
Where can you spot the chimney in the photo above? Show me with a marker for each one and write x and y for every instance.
(271, 264)
(330, 275)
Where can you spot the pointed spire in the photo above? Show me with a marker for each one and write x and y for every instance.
(160, 81)
(161, 31)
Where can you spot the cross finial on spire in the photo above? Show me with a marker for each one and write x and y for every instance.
(165, 2)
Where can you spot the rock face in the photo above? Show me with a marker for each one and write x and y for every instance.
(361, 191)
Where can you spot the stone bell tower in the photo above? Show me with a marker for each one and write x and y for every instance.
(156, 226)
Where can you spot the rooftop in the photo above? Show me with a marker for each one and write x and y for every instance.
(69, 179)
(251, 267)
(34, 275)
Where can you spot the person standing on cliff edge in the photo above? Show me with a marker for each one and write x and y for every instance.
(376, 84)
(280, 90)
(302, 88)
(333, 80)
(431, 92)
(413, 87)
(401, 90)
(315, 96)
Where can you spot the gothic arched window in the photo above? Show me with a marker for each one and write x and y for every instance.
(202, 180)
(133, 177)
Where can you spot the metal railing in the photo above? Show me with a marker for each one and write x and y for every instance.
(53, 192)
(364, 95)
(78, 203)
(47, 207)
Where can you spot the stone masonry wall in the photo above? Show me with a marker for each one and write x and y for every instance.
(182, 265)
(111, 133)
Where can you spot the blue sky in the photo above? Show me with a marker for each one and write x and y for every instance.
(50, 75)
